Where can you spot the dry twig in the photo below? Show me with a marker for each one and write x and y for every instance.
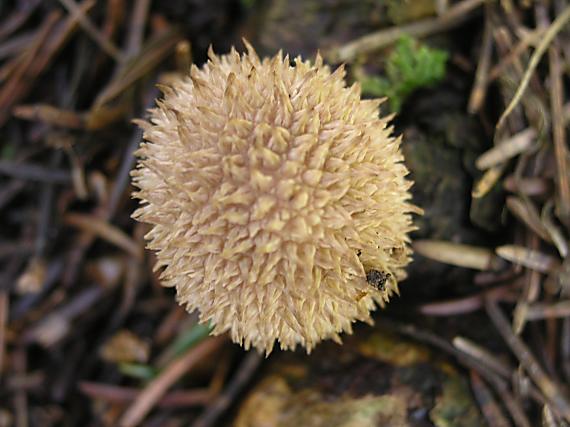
(482, 74)
(106, 231)
(3, 324)
(451, 18)
(85, 23)
(156, 389)
(118, 394)
(550, 389)
(221, 404)
(559, 134)
(489, 406)
(549, 35)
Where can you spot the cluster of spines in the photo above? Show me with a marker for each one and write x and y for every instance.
(271, 189)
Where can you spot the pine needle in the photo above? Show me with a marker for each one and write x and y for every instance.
(552, 31)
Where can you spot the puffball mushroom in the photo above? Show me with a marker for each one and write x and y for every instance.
(271, 190)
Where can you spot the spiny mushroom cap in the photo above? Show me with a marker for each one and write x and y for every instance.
(271, 190)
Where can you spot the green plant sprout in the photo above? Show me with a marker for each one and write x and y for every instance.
(411, 65)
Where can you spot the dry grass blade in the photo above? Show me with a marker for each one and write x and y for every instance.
(565, 348)
(156, 389)
(549, 35)
(21, 82)
(33, 172)
(566, 112)
(118, 394)
(548, 419)
(104, 43)
(58, 39)
(4, 307)
(19, 67)
(489, 406)
(527, 213)
(246, 370)
(137, 26)
(33, 277)
(529, 258)
(514, 54)
(170, 323)
(10, 191)
(559, 135)
(528, 186)
(482, 74)
(15, 44)
(104, 230)
(483, 356)
(183, 56)
(511, 403)
(530, 293)
(49, 114)
(77, 175)
(520, 316)
(538, 311)
(216, 384)
(556, 235)
(95, 119)
(456, 254)
(507, 149)
(550, 389)
(562, 277)
(467, 304)
(16, 19)
(114, 17)
(451, 18)
(102, 116)
(22, 410)
(9, 68)
(122, 178)
(441, 6)
(58, 324)
(151, 55)
(487, 181)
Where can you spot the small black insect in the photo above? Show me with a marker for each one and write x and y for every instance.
(377, 279)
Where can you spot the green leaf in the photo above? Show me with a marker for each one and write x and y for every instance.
(137, 370)
(410, 66)
(376, 86)
(248, 4)
(185, 340)
(8, 152)
(189, 339)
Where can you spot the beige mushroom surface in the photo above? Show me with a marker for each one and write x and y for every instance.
(272, 188)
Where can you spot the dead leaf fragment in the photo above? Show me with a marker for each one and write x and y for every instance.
(125, 347)
(33, 277)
